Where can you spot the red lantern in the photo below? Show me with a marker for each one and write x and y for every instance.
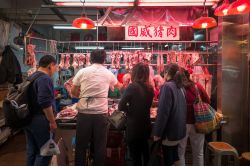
(223, 9)
(239, 7)
(83, 23)
(204, 22)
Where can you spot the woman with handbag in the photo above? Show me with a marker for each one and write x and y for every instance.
(136, 102)
(196, 139)
(170, 124)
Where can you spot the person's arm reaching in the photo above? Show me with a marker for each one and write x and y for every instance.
(49, 113)
(45, 98)
(75, 91)
(164, 108)
(126, 98)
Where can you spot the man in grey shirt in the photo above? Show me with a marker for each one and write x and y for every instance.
(91, 85)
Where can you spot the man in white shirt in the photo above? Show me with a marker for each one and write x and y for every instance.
(91, 85)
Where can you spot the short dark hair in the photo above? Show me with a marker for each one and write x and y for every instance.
(98, 56)
(46, 60)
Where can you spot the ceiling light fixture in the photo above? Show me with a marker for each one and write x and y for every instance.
(239, 7)
(132, 48)
(89, 47)
(175, 2)
(66, 27)
(95, 1)
(204, 21)
(83, 22)
(223, 9)
(90, 4)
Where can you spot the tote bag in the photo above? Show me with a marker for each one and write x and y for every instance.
(206, 117)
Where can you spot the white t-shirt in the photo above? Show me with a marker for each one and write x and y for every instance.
(94, 81)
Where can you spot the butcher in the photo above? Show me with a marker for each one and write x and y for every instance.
(94, 83)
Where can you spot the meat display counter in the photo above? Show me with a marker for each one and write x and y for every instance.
(66, 132)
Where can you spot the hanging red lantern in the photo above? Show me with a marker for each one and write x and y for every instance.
(239, 7)
(204, 22)
(223, 9)
(83, 23)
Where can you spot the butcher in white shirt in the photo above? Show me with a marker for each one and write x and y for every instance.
(91, 85)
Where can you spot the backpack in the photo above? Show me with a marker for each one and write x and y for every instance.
(16, 105)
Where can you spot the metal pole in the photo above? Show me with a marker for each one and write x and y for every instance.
(97, 28)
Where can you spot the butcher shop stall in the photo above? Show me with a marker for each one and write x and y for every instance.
(208, 38)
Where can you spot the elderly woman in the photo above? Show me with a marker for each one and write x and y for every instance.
(158, 82)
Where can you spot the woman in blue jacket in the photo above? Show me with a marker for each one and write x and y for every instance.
(170, 125)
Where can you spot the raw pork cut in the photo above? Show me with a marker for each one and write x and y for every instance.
(75, 61)
(88, 59)
(31, 56)
(67, 64)
(61, 64)
(67, 113)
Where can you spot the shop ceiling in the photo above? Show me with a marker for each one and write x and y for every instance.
(65, 11)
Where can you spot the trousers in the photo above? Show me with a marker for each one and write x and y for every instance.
(37, 134)
(91, 128)
(197, 144)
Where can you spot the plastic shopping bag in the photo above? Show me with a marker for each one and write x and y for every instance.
(50, 148)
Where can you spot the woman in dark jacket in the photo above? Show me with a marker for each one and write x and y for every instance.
(196, 139)
(170, 125)
(136, 102)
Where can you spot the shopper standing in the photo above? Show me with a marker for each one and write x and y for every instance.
(91, 85)
(196, 139)
(136, 102)
(42, 107)
(170, 125)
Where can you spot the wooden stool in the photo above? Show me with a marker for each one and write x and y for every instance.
(245, 159)
(220, 149)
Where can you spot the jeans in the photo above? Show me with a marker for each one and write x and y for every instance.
(197, 144)
(170, 155)
(138, 152)
(92, 129)
(37, 134)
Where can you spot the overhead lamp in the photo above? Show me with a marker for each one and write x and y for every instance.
(204, 21)
(83, 22)
(223, 9)
(239, 7)
(89, 47)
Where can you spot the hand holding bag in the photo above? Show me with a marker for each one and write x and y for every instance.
(50, 148)
(118, 120)
(206, 118)
(156, 156)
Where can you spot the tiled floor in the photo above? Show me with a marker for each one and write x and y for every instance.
(12, 152)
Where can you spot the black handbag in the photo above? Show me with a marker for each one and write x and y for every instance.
(118, 120)
(156, 156)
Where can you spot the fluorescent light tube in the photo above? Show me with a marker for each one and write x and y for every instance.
(175, 4)
(66, 27)
(89, 47)
(178, 1)
(132, 48)
(125, 4)
(96, 1)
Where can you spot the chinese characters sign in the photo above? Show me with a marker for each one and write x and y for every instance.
(152, 33)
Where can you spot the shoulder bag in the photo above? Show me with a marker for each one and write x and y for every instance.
(206, 117)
